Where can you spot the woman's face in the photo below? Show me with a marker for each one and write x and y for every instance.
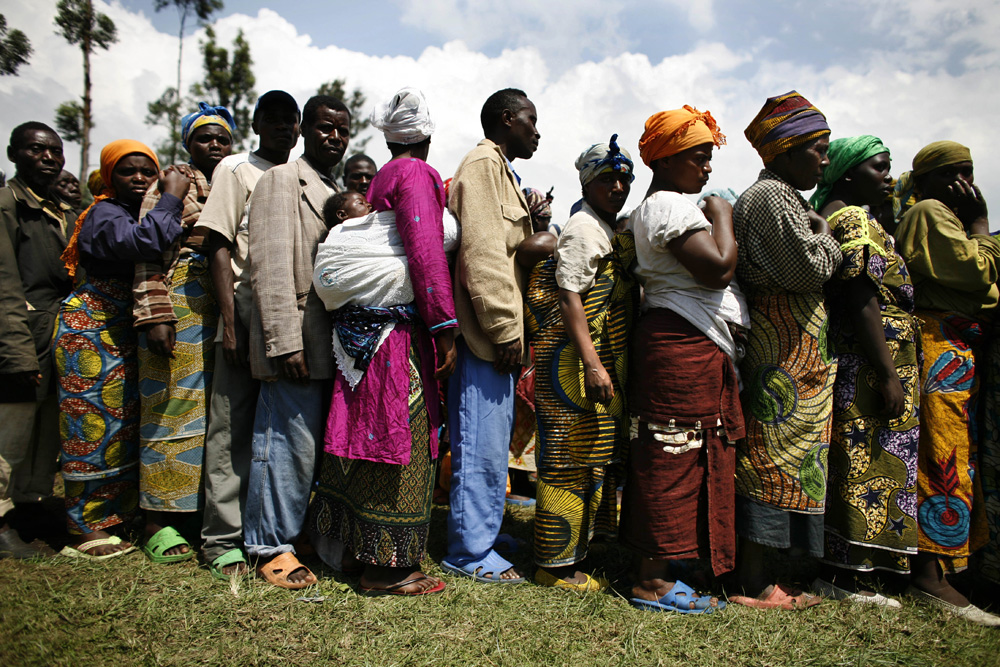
(686, 172)
(131, 177)
(803, 166)
(607, 193)
(938, 183)
(870, 180)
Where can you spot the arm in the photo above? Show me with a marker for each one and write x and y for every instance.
(866, 316)
(235, 337)
(596, 381)
(709, 257)
(935, 244)
(113, 234)
(18, 358)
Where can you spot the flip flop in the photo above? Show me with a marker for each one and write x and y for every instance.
(276, 572)
(80, 551)
(395, 588)
(486, 570)
(678, 599)
(231, 557)
(164, 540)
(591, 585)
(835, 592)
(780, 596)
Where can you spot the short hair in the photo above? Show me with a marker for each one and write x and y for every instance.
(17, 134)
(332, 204)
(275, 99)
(508, 99)
(354, 159)
(316, 102)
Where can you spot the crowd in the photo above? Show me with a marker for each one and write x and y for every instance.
(300, 367)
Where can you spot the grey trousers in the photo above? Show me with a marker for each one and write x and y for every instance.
(227, 455)
(29, 451)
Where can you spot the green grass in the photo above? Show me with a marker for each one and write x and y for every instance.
(131, 612)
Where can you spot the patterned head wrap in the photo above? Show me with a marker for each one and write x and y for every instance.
(670, 132)
(845, 153)
(602, 158)
(110, 156)
(784, 122)
(927, 159)
(206, 115)
(95, 183)
(404, 119)
(538, 204)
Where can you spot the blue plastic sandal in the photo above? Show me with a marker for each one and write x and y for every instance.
(486, 570)
(678, 599)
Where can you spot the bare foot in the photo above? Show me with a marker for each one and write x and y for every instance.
(384, 578)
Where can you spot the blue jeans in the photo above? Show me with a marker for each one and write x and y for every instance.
(480, 422)
(286, 429)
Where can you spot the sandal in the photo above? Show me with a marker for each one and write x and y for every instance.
(486, 570)
(80, 550)
(591, 585)
(231, 557)
(276, 572)
(395, 589)
(678, 599)
(779, 596)
(164, 540)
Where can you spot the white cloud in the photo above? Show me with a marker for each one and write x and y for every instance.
(578, 104)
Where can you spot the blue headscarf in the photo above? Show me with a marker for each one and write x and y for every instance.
(206, 115)
(601, 158)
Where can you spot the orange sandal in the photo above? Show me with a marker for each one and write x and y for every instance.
(276, 572)
(779, 596)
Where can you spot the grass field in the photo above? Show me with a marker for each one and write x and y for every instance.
(131, 612)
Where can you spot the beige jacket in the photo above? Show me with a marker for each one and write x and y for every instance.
(489, 285)
(285, 226)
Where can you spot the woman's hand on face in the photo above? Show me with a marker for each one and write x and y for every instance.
(892, 393)
(444, 344)
(970, 207)
(173, 181)
(162, 339)
(597, 383)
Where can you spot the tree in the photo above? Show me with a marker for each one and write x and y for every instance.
(166, 109)
(69, 117)
(229, 82)
(14, 48)
(356, 103)
(79, 24)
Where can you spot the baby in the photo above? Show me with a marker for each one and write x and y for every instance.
(343, 206)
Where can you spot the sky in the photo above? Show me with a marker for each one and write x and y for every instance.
(910, 72)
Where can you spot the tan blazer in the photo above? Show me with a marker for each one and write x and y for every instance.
(285, 226)
(489, 285)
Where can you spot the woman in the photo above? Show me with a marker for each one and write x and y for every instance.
(684, 392)
(95, 345)
(579, 311)
(176, 316)
(944, 238)
(871, 519)
(786, 254)
(377, 476)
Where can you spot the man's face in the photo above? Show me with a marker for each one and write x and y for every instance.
(67, 188)
(39, 158)
(523, 139)
(326, 139)
(360, 176)
(278, 128)
(208, 145)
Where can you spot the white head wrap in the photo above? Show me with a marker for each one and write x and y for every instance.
(404, 119)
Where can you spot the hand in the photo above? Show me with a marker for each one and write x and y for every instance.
(892, 393)
(293, 366)
(597, 383)
(162, 339)
(717, 208)
(26, 380)
(818, 223)
(444, 344)
(236, 343)
(508, 356)
(969, 206)
(172, 181)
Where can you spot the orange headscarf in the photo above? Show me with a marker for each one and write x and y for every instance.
(110, 155)
(670, 132)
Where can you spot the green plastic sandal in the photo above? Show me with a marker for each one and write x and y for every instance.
(231, 557)
(165, 540)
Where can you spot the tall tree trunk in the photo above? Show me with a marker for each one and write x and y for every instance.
(174, 118)
(85, 45)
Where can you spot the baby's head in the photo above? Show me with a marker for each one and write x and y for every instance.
(345, 205)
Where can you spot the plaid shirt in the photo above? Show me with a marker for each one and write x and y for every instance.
(778, 251)
(151, 285)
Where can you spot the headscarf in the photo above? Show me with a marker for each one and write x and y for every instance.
(784, 122)
(95, 183)
(110, 156)
(602, 158)
(538, 203)
(206, 115)
(930, 157)
(726, 193)
(845, 153)
(670, 132)
(404, 119)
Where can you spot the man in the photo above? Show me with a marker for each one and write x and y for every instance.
(359, 170)
(33, 282)
(290, 341)
(234, 390)
(489, 284)
(67, 189)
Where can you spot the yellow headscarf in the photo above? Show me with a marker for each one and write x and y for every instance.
(670, 132)
(939, 154)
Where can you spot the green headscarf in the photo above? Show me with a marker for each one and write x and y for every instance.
(845, 153)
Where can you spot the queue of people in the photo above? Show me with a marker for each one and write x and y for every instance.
(240, 340)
